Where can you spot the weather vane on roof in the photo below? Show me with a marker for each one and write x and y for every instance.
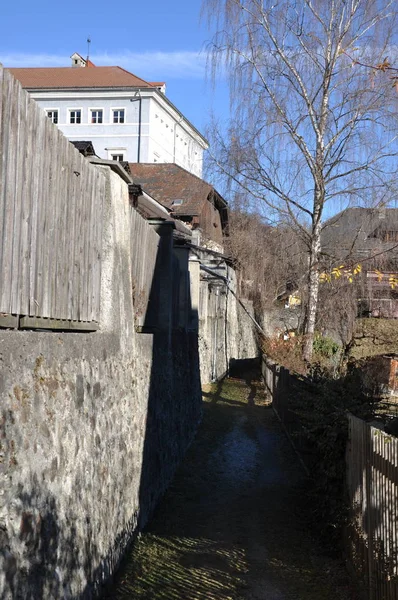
(88, 48)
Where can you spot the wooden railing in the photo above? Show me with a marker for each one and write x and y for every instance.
(51, 202)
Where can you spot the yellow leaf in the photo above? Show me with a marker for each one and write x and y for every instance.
(379, 275)
(384, 65)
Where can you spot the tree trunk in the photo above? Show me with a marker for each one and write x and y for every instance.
(313, 289)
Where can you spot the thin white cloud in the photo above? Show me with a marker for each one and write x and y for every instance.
(148, 65)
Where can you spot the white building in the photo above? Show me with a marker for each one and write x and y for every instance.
(125, 117)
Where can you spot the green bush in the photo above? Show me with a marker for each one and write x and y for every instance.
(325, 346)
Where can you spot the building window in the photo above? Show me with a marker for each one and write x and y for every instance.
(96, 115)
(53, 116)
(118, 115)
(75, 117)
(118, 157)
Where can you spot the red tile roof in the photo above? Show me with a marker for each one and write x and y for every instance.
(168, 182)
(77, 77)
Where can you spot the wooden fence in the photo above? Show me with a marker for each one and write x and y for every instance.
(372, 484)
(372, 481)
(144, 250)
(51, 203)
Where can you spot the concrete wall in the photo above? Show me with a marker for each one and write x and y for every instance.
(92, 427)
(225, 330)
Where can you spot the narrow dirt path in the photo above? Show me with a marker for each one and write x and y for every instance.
(232, 525)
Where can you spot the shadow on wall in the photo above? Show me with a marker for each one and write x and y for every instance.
(52, 557)
(51, 561)
(174, 399)
(53, 552)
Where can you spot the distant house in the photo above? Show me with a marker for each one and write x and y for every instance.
(362, 233)
(189, 198)
(369, 237)
(126, 117)
(85, 147)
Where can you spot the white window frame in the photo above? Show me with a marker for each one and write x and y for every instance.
(52, 110)
(70, 110)
(90, 115)
(117, 153)
(113, 110)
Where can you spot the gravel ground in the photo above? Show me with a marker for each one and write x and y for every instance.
(233, 523)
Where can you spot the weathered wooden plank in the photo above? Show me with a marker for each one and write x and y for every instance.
(9, 127)
(99, 199)
(60, 300)
(56, 232)
(50, 215)
(43, 224)
(26, 226)
(2, 169)
(85, 273)
(371, 483)
(73, 245)
(37, 133)
(17, 184)
(48, 238)
(56, 324)
(8, 321)
(81, 246)
(144, 247)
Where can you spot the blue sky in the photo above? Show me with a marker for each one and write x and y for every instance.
(156, 40)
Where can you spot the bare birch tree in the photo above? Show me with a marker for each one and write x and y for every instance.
(310, 127)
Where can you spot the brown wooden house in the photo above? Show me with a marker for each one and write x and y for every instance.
(368, 237)
(189, 198)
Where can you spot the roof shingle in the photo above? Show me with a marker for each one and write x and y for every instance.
(72, 77)
(168, 182)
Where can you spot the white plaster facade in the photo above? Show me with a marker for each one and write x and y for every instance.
(153, 129)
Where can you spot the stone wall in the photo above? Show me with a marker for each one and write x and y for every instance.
(92, 427)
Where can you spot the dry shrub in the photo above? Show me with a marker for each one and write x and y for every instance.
(288, 353)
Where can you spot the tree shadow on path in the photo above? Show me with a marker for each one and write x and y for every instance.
(231, 525)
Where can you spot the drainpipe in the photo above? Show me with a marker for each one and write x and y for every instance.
(215, 333)
(137, 96)
(139, 129)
